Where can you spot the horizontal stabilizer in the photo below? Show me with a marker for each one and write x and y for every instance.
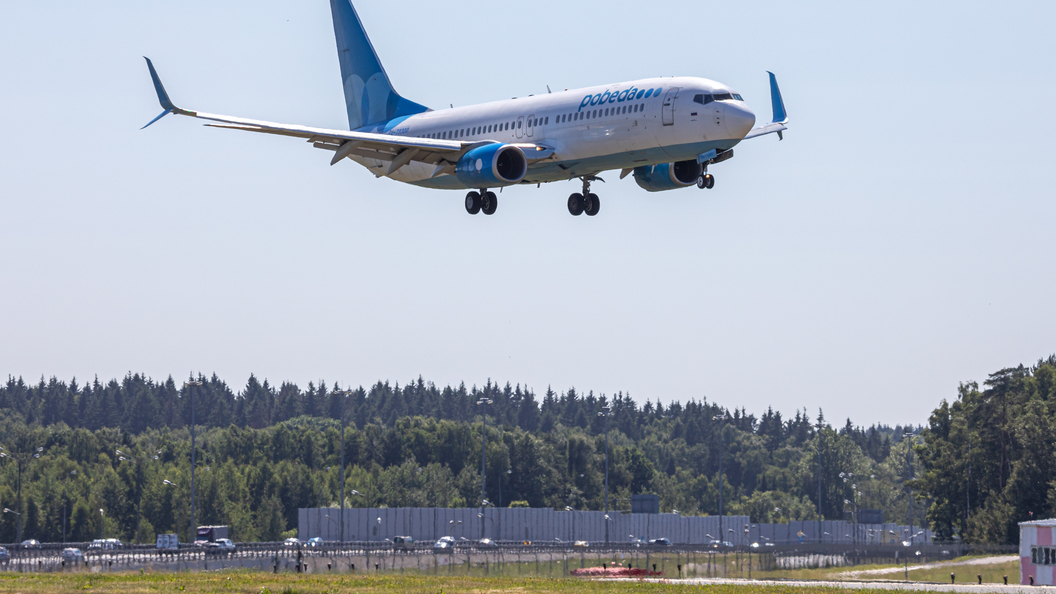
(777, 125)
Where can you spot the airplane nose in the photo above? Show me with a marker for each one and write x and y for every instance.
(739, 119)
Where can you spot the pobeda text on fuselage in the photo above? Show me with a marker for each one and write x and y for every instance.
(664, 131)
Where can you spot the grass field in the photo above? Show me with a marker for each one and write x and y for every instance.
(264, 583)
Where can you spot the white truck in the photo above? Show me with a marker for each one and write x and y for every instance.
(168, 543)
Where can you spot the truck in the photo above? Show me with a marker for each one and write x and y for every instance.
(211, 533)
(168, 542)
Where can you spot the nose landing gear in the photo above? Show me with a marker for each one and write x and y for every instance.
(706, 181)
(483, 200)
(586, 202)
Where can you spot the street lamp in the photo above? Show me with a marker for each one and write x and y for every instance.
(344, 398)
(909, 477)
(483, 457)
(720, 418)
(186, 386)
(606, 412)
(21, 460)
(123, 457)
(819, 427)
(64, 503)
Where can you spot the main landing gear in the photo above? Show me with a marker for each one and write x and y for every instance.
(483, 200)
(706, 181)
(586, 202)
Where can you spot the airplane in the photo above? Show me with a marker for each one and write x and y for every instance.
(665, 132)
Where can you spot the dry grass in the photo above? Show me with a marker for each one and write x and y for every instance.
(263, 583)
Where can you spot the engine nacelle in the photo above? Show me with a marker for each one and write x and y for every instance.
(492, 165)
(667, 176)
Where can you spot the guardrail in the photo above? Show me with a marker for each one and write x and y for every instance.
(385, 556)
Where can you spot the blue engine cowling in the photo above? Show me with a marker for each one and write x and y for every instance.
(667, 176)
(491, 166)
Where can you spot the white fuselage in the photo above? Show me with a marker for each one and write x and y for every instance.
(586, 131)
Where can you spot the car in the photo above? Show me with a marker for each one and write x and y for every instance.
(72, 555)
(445, 542)
(580, 544)
(660, 542)
(292, 542)
(485, 542)
(225, 545)
(32, 543)
(4, 555)
(720, 544)
(402, 542)
(315, 541)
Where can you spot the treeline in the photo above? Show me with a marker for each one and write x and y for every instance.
(264, 452)
(988, 457)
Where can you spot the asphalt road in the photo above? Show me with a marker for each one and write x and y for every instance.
(870, 585)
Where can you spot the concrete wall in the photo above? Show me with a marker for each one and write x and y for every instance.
(544, 524)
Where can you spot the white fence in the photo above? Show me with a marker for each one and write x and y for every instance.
(544, 524)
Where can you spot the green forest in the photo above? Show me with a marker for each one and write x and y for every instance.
(115, 457)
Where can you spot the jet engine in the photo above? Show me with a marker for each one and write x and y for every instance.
(492, 165)
(667, 176)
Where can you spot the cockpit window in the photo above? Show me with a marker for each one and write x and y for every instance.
(705, 99)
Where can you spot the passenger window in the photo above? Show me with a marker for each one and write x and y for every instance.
(547, 122)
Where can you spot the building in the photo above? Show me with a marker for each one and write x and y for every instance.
(1037, 552)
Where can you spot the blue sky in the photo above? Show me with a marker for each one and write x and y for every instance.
(897, 242)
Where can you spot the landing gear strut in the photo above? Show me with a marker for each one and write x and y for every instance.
(586, 202)
(706, 181)
(483, 200)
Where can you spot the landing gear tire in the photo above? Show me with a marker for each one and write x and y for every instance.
(489, 202)
(473, 203)
(591, 204)
(706, 181)
(575, 204)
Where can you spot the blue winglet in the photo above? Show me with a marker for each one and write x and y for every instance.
(780, 116)
(163, 97)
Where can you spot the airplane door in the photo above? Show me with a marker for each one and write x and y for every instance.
(520, 127)
(530, 126)
(669, 106)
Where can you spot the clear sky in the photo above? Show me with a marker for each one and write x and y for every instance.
(897, 242)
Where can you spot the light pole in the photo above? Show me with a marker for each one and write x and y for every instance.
(606, 412)
(572, 523)
(720, 418)
(102, 521)
(819, 426)
(169, 483)
(483, 402)
(21, 459)
(187, 386)
(344, 398)
(909, 477)
(64, 503)
(123, 457)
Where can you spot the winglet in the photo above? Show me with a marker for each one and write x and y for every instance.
(780, 116)
(163, 97)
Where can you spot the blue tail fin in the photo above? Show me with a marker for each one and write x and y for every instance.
(369, 95)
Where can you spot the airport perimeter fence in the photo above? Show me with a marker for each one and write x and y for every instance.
(509, 558)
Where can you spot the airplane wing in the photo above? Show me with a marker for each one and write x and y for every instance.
(780, 116)
(397, 150)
